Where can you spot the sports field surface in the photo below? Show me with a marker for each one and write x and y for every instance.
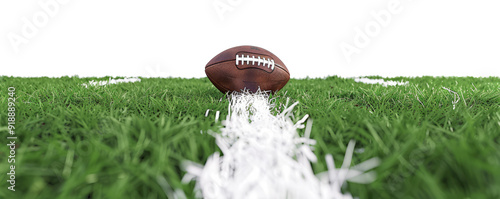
(436, 137)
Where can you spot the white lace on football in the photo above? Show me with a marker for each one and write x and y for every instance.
(266, 62)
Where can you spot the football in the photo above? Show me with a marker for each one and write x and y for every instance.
(247, 68)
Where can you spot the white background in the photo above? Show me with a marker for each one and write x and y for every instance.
(177, 38)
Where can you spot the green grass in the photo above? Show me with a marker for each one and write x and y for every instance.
(123, 141)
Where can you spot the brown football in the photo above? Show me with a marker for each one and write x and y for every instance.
(247, 67)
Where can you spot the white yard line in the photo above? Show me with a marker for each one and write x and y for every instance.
(264, 157)
(379, 81)
(111, 81)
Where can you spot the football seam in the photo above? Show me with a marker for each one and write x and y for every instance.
(220, 62)
(277, 65)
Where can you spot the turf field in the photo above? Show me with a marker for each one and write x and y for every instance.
(128, 140)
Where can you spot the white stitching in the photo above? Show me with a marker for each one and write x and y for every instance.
(248, 59)
(265, 61)
(237, 59)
